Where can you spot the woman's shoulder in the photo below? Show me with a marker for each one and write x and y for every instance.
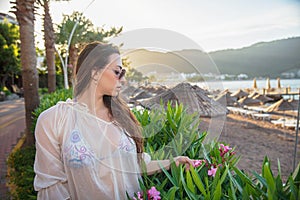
(60, 107)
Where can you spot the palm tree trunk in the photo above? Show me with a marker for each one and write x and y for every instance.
(50, 49)
(25, 16)
(73, 54)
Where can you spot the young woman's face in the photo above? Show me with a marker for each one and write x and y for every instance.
(109, 82)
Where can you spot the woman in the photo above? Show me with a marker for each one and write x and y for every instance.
(91, 147)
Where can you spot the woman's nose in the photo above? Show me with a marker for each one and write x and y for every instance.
(123, 80)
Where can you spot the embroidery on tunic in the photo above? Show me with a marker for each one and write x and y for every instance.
(76, 152)
(126, 144)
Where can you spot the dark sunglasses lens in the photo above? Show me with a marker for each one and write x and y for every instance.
(122, 73)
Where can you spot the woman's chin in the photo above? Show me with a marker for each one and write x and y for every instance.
(115, 93)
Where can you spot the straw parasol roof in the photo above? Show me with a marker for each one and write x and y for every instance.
(283, 105)
(154, 89)
(239, 94)
(225, 97)
(263, 98)
(254, 86)
(141, 95)
(127, 92)
(278, 83)
(253, 94)
(249, 101)
(268, 84)
(194, 98)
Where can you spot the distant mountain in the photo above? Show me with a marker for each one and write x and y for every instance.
(259, 60)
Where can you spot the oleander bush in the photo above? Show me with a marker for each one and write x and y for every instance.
(168, 132)
(214, 174)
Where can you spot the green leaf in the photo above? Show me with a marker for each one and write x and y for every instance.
(171, 193)
(198, 182)
(190, 194)
(189, 181)
(293, 189)
(207, 187)
(296, 175)
(175, 171)
(272, 192)
(168, 175)
(261, 179)
(218, 192)
(232, 190)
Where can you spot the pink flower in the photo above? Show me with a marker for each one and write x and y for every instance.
(153, 194)
(139, 196)
(224, 149)
(212, 171)
(197, 163)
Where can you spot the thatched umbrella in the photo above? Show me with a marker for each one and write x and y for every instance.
(127, 92)
(194, 98)
(283, 105)
(253, 94)
(239, 94)
(263, 98)
(225, 97)
(249, 101)
(268, 84)
(141, 95)
(278, 83)
(254, 86)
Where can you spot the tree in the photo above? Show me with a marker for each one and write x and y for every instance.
(49, 38)
(9, 52)
(74, 31)
(131, 73)
(25, 16)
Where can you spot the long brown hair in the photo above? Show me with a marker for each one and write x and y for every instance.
(95, 56)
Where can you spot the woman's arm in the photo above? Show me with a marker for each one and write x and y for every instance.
(50, 180)
(155, 165)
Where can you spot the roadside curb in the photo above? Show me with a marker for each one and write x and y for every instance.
(19, 145)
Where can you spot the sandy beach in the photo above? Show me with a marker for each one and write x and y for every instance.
(255, 139)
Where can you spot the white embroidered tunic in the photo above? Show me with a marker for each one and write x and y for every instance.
(80, 156)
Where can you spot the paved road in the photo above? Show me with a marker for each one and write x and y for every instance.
(12, 124)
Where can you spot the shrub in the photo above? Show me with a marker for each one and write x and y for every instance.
(21, 162)
(21, 173)
(170, 132)
(49, 100)
(6, 91)
(214, 175)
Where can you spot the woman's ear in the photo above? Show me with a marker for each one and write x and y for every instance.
(95, 74)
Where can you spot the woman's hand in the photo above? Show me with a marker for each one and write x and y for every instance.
(184, 160)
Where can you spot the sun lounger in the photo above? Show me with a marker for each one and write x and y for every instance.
(277, 122)
(261, 116)
(290, 125)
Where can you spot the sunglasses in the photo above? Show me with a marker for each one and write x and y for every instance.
(120, 73)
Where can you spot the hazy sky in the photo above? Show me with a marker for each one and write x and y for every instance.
(213, 25)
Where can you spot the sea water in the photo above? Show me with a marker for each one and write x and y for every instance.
(233, 86)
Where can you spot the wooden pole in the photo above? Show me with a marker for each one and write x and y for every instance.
(297, 129)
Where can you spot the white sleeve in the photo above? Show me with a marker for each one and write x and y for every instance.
(50, 180)
(146, 158)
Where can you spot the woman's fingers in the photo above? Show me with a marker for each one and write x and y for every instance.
(184, 160)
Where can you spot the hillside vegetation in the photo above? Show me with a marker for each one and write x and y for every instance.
(262, 59)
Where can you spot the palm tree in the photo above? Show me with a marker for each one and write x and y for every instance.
(25, 16)
(49, 38)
